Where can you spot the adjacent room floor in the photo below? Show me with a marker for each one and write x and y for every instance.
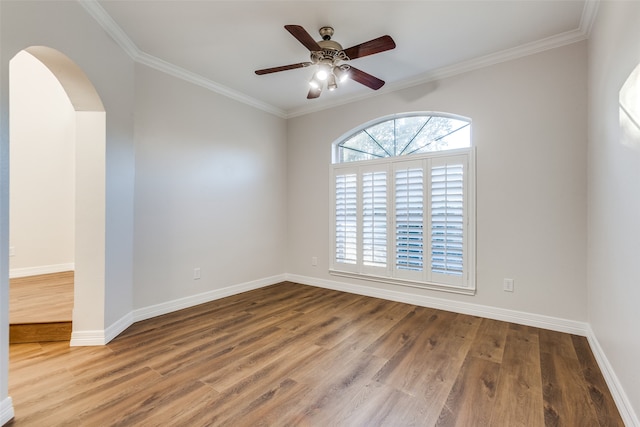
(41, 307)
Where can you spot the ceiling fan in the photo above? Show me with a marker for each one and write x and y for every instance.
(330, 59)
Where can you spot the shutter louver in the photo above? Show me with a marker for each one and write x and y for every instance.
(374, 219)
(409, 219)
(346, 219)
(447, 219)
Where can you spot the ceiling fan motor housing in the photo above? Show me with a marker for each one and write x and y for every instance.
(331, 50)
(326, 43)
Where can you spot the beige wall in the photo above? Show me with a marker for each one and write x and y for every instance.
(42, 122)
(529, 129)
(210, 191)
(244, 195)
(614, 192)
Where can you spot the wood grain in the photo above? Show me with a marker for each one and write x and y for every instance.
(519, 390)
(40, 308)
(599, 395)
(39, 332)
(297, 355)
(42, 298)
(477, 382)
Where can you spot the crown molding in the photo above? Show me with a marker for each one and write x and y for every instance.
(589, 14)
(122, 39)
(194, 78)
(527, 49)
(107, 23)
(587, 20)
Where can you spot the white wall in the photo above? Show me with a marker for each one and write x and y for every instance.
(210, 191)
(529, 127)
(66, 26)
(614, 192)
(6, 405)
(42, 201)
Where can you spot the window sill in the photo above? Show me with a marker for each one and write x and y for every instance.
(404, 282)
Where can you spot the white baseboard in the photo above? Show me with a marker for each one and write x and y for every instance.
(519, 317)
(118, 327)
(619, 396)
(102, 337)
(43, 269)
(87, 338)
(6, 411)
(190, 301)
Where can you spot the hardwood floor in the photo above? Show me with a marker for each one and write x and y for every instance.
(42, 298)
(41, 308)
(297, 355)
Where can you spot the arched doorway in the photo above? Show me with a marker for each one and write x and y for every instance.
(89, 211)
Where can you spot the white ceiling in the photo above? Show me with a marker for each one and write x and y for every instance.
(219, 44)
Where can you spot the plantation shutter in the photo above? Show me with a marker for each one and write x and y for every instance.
(374, 219)
(447, 222)
(406, 222)
(409, 219)
(346, 225)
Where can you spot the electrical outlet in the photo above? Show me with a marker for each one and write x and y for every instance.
(507, 285)
(12, 251)
(314, 261)
(196, 273)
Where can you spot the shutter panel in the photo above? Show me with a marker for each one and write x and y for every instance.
(374, 219)
(409, 209)
(406, 222)
(447, 219)
(346, 219)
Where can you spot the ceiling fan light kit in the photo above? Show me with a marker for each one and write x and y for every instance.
(330, 59)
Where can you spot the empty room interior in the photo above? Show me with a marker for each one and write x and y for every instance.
(347, 213)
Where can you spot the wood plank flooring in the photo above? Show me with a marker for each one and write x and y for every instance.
(42, 298)
(41, 308)
(39, 332)
(294, 355)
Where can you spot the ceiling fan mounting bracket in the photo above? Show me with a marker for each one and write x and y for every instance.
(326, 33)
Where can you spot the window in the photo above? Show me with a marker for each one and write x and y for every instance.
(403, 205)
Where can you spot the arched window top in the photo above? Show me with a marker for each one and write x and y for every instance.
(404, 135)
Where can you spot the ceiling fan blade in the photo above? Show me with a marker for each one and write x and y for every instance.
(365, 78)
(282, 68)
(303, 37)
(314, 92)
(371, 47)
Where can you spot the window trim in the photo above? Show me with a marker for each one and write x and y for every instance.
(389, 164)
(335, 147)
(470, 234)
